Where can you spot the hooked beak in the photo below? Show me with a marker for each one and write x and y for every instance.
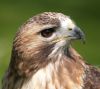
(78, 34)
(74, 34)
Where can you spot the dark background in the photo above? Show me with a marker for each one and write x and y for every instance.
(86, 13)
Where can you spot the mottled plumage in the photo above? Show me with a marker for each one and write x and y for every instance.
(42, 56)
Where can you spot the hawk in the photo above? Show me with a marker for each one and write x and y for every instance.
(43, 58)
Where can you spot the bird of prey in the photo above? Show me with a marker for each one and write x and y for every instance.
(43, 58)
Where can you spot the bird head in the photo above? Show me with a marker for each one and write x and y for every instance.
(46, 30)
(42, 37)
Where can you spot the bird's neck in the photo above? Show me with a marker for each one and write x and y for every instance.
(56, 74)
(53, 74)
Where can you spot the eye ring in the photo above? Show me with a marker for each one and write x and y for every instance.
(47, 32)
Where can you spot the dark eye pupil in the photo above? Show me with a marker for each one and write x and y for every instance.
(70, 29)
(47, 32)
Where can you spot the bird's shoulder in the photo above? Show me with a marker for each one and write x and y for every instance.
(92, 80)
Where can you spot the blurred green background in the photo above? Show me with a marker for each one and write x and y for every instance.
(86, 13)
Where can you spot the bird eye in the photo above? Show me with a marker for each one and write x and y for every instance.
(47, 32)
(70, 29)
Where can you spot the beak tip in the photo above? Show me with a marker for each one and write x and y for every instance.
(82, 37)
(83, 41)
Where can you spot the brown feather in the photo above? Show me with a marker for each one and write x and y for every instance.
(32, 67)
